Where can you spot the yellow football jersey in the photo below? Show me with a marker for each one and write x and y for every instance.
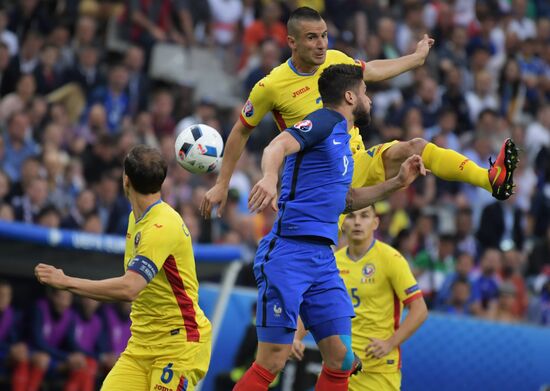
(158, 246)
(291, 96)
(379, 284)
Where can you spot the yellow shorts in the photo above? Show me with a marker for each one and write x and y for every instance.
(177, 366)
(375, 381)
(368, 167)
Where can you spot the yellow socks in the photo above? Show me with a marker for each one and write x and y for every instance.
(452, 166)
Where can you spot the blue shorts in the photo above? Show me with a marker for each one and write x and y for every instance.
(298, 277)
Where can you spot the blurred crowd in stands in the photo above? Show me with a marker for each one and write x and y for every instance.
(72, 103)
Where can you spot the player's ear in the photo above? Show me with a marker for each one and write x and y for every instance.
(376, 223)
(349, 97)
(291, 41)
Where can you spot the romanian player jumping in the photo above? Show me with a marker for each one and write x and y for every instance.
(290, 92)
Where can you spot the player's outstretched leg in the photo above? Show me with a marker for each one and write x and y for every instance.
(453, 166)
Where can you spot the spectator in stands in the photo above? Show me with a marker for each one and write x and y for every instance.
(539, 258)
(521, 25)
(13, 351)
(512, 265)
(114, 97)
(482, 97)
(85, 205)
(117, 321)
(267, 27)
(511, 90)
(138, 81)
(29, 14)
(507, 297)
(145, 132)
(48, 217)
(161, 110)
(52, 338)
(204, 111)
(113, 208)
(34, 199)
(464, 270)
(26, 61)
(48, 77)
(458, 300)
(99, 158)
(502, 225)
(539, 311)
(466, 240)
(90, 337)
(85, 33)
(487, 283)
(537, 134)
(453, 98)
(5, 187)
(19, 100)
(150, 21)
(86, 71)
(7, 37)
(431, 269)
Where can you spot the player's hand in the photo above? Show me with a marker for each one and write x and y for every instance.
(423, 48)
(76, 361)
(217, 195)
(297, 350)
(49, 275)
(410, 169)
(263, 194)
(379, 348)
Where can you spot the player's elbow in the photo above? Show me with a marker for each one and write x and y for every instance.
(129, 292)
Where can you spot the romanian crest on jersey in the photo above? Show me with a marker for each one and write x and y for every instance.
(137, 238)
(368, 270)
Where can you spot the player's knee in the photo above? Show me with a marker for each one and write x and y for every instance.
(40, 360)
(273, 359)
(20, 352)
(416, 146)
(341, 357)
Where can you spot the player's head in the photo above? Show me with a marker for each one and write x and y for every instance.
(342, 85)
(144, 170)
(359, 226)
(307, 36)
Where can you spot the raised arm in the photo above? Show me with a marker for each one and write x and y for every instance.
(265, 191)
(378, 70)
(359, 198)
(124, 288)
(234, 148)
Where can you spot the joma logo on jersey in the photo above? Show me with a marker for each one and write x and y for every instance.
(160, 387)
(300, 91)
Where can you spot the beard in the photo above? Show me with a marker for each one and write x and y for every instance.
(361, 116)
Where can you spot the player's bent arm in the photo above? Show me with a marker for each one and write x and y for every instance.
(123, 288)
(359, 198)
(418, 313)
(274, 154)
(234, 148)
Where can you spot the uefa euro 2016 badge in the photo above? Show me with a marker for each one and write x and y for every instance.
(248, 109)
(368, 273)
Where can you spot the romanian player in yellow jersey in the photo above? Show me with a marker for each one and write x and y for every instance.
(171, 338)
(379, 282)
(290, 93)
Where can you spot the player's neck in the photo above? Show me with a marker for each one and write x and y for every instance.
(357, 250)
(301, 67)
(140, 203)
(346, 112)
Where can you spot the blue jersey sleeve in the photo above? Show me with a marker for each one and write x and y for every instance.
(315, 127)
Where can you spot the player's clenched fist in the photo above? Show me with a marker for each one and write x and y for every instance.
(263, 194)
(47, 274)
(410, 169)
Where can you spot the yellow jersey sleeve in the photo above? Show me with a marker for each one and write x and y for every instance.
(403, 282)
(153, 246)
(259, 103)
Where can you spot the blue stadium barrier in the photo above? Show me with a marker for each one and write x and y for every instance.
(114, 244)
(447, 353)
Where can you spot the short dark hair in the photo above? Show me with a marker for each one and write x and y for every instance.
(301, 14)
(146, 169)
(336, 80)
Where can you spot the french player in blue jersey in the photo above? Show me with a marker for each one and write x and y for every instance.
(295, 268)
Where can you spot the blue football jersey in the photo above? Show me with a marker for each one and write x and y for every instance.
(316, 179)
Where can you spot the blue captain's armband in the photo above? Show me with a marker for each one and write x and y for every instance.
(143, 266)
